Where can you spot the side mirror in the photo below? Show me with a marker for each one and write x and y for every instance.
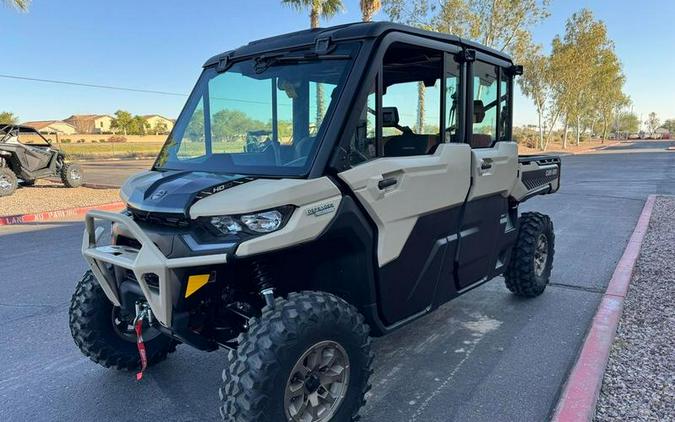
(389, 117)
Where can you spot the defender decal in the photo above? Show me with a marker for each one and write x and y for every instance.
(321, 209)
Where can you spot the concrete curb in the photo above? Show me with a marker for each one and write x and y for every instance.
(57, 214)
(99, 186)
(578, 400)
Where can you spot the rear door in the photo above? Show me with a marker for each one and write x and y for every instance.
(412, 183)
(488, 229)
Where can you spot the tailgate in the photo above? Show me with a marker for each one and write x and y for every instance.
(537, 175)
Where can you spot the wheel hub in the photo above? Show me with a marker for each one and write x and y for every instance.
(75, 175)
(4, 183)
(540, 255)
(317, 384)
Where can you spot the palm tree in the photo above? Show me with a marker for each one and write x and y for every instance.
(19, 4)
(317, 9)
(369, 8)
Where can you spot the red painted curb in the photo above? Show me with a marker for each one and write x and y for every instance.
(57, 214)
(578, 400)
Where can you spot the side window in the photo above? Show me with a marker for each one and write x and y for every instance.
(484, 105)
(362, 144)
(411, 100)
(194, 134)
(451, 100)
(504, 112)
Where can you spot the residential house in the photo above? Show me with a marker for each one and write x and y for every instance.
(91, 123)
(52, 127)
(155, 121)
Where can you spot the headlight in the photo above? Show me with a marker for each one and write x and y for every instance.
(226, 224)
(263, 222)
(253, 223)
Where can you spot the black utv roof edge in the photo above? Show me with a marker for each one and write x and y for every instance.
(357, 30)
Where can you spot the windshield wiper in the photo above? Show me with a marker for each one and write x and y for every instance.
(264, 62)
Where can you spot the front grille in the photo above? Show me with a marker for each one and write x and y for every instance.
(159, 218)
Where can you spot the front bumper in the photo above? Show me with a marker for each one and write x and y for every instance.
(147, 260)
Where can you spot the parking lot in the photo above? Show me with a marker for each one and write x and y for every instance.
(487, 356)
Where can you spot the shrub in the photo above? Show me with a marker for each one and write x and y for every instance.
(117, 139)
(65, 141)
(81, 141)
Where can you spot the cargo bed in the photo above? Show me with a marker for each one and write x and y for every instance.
(537, 175)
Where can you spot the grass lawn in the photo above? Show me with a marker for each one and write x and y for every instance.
(95, 151)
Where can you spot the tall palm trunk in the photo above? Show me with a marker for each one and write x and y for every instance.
(314, 23)
(420, 107)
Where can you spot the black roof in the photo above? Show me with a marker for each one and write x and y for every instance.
(358, 30)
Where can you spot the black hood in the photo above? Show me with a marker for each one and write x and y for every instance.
(175, 191)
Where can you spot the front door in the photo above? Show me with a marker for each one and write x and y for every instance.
(410, 180)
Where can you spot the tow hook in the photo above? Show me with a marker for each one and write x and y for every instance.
(143, 312)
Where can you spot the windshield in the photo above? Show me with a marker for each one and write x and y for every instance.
(263, 116)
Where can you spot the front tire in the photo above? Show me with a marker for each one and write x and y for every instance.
(308, 358)
(100, 334)
(532, 256)
(71, 175)
(8, 181)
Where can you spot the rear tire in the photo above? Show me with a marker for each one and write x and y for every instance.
(71, 175)
(532, 256)
(91, 324)
(8, 181)
(312, 346)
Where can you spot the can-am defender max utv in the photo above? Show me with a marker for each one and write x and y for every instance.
(27, 155)
(304, 202)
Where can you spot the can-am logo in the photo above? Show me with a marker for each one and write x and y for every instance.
(321, 209)
(551, 172)
(158, 195)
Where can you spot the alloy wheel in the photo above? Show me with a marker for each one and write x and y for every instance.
(317, 384)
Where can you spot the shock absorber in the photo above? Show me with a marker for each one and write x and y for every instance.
(261, 275)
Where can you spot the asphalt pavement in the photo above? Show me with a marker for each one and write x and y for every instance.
(487, 356)
(112, 172)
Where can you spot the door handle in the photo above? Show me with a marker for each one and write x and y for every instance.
(485, 164)
(385, 183)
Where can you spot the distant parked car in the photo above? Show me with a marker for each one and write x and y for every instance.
(27, 155)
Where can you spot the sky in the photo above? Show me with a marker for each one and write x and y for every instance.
(161, 45)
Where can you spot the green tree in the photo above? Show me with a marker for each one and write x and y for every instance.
(535, 84)
(137, 126)
(579, 61)
(369, 8)
(21, 5)
(160, 127)
(122, 121)
(8, 118)
(317, 9)
(627, 123)
(500, 24)
(195, 128)
(669, 125)
(231, 125)
(652, 122)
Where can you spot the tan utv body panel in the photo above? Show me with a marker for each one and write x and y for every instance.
(501, 176)
(520, 191)
(424, 184)
(317, 201)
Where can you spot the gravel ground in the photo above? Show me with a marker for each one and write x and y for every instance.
(639, 384)
(48, 196)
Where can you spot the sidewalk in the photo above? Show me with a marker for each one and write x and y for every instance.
(639, 382)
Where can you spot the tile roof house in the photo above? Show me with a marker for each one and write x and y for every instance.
(91, 123)
(52, 126)
(158, 124)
